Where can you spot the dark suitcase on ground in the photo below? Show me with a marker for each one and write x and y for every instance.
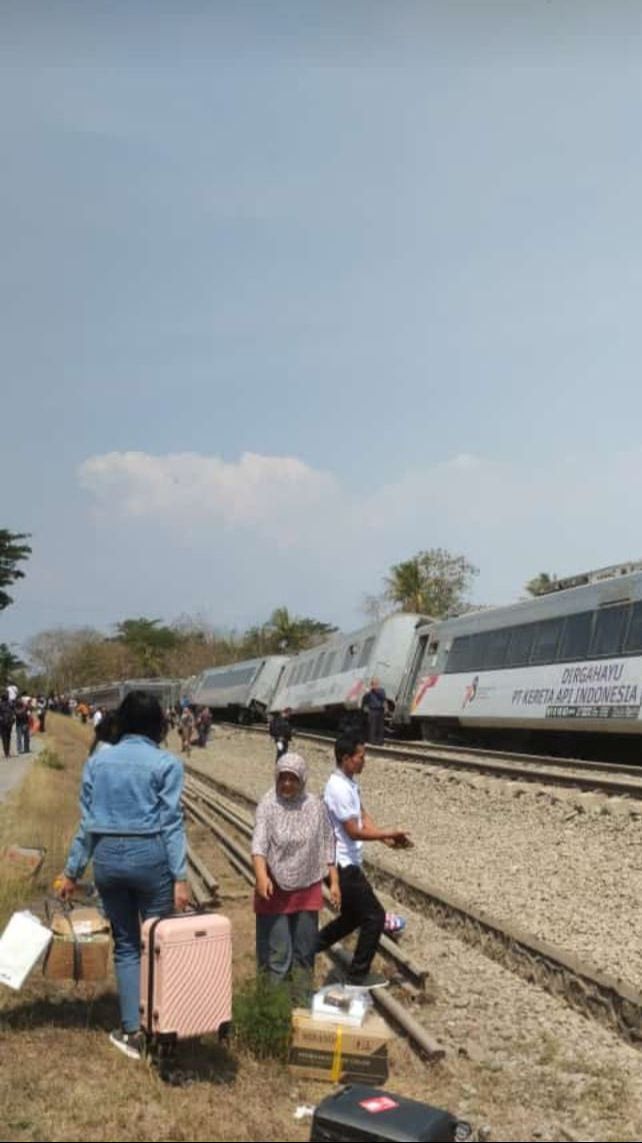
(369, 1113)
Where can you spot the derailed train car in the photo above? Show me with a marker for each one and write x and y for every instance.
(561, 666)
(241, 691)
(322, 685)
(110, 695)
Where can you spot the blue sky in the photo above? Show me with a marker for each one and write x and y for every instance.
(291, 290)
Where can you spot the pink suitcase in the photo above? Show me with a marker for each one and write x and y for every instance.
(186, 976)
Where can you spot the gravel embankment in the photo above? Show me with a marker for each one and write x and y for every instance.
(570, 875)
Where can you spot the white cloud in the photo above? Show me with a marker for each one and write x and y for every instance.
(258, 492)
(512, 519)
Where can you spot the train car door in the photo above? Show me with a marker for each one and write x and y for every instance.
(412, 675)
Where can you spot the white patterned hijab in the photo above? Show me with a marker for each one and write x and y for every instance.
(294, 835)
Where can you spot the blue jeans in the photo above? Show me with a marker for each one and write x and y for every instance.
(22, 737)
(285, 948)
(134, 881)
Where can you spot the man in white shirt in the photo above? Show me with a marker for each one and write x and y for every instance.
(97, 717)
(352, 825)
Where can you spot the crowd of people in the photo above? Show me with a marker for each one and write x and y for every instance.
(132, 828)
(24, 713)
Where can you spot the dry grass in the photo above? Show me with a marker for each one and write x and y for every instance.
(60, 1079)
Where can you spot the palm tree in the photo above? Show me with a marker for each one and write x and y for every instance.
(405, 585)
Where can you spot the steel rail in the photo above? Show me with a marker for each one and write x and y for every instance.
(540, 769)
(397, 1014)
(613, 1002)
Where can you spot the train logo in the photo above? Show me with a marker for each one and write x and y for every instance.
(355, 690)
(470, 693)
(425, 685)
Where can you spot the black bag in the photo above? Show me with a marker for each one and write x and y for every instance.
(368, 1113)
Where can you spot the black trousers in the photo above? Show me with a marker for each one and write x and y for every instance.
(360, 909)
(376, 727)
(5, 732)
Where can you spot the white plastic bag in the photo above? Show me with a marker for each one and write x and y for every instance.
(21, 944)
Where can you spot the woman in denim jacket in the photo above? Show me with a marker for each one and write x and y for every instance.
(132, 826)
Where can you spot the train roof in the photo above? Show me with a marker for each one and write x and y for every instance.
(584, 592)
(339, 637)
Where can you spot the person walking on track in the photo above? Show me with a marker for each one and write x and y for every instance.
(360, 908)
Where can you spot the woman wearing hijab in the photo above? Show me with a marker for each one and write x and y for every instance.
(292, 852)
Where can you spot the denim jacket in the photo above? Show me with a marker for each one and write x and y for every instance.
(133, 788)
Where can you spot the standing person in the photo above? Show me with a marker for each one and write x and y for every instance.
(374, 703)
(352, 825)
(7, 718)
(107, 732)
(42, 712)
(280, 731)
(292, 852)
(186, 730)
(203, 725)
(132, 825)
(23, 745)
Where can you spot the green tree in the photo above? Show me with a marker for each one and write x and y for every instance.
(286, 633)
(149, 643)
(540, 584)
(9, 664)
(434, 582)
(13, 551)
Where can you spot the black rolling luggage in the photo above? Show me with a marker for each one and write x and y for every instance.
(368, 1113)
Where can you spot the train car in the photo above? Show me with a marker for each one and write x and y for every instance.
(321, 685)
(567, 664)
(110, 695)
(241, 691)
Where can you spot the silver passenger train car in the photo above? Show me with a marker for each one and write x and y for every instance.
(110, 695)
(240, 691)
(325, 682)
(566, 663)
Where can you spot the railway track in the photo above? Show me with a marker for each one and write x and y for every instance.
(211, 809)
(611, 1001)
(612, 779)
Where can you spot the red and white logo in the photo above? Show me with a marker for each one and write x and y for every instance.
(424, 685)
(378, 1103)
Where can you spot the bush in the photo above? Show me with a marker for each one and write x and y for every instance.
(50, 759)
(262, 1014)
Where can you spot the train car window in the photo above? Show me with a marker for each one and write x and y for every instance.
(475, 652)
(520, 645)
(545, 642)
(347, 659)
(329, 664)
(366, 651)
(496, 647)
(634, 636)
(608, 633)
(308, 670)
(459, 655)
(576, 636)
(318, 666)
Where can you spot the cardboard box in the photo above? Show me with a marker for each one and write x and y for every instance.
(338, 1053)
(80, 947)
(85, 921)
(88, 961)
